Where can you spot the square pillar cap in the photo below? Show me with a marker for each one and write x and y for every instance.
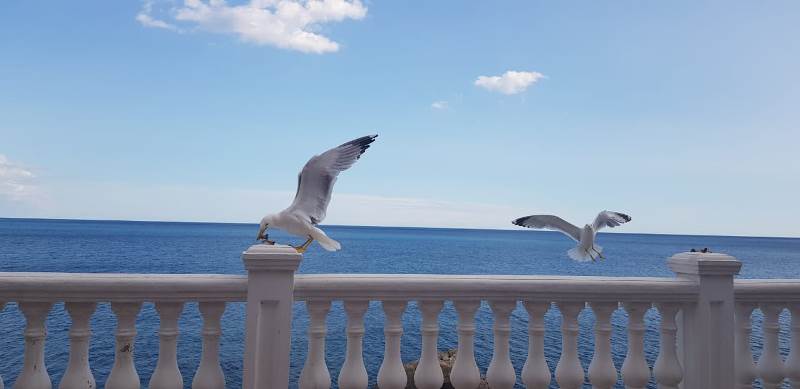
(702, 264)
(265, 257)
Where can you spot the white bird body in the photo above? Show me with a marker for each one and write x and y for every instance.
(295, 225)
(585, 249)
(314, 189)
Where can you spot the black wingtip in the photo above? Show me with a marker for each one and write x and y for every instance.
(518, 221)
(624, 216)
(363, 143)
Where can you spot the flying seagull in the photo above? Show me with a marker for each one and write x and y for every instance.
(314, 187)
(584, 236)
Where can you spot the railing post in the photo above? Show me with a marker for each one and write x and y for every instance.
(270, 289)
(706, 327)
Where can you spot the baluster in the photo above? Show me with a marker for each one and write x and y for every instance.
(315, 373)
(500, 374)
(745, 367)
(167, 375)
(78, 374)
(635, 373)
(34, 372)
(668, 370)
(353, 374)
(793, 362)
(123, 375)
(602, 373)
(392, 374)
(569, 372)
(770, 366)
(209, 374)
(465, 373)
(429, 373)
(535, 372)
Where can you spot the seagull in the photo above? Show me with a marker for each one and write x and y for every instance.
(584, 236)
(314, 187)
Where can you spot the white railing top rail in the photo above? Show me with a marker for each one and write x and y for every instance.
(121, 287)
(219, 287)
(488, 287)
(766, 291)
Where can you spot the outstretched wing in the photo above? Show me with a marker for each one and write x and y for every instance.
(609, 219)
(552, 222)
(315, 181)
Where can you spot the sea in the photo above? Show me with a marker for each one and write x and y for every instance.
(43, 245)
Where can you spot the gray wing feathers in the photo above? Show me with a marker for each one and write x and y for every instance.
(610, 219)
(552, 222)
(315, 182)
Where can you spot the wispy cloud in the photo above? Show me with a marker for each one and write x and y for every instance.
(16, 182)
(441, 104)
(146, 19)
(287, 24)
(123, 201)
(510, 82)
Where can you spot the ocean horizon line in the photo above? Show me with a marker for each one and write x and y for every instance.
(391, 227)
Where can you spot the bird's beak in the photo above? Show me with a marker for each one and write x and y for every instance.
(261, 231)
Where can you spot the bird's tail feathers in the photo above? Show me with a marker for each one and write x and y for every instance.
(326, 242)
(329, 244)
(579, 255)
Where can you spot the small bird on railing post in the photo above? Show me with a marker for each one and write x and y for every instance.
(314, 188)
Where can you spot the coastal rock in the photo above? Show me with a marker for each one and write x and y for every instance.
(446, 361)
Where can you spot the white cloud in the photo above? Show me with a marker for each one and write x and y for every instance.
(510, 83)
(287, 24)
(441, 104)
(16, 182)
(144, 17)
(122, 201)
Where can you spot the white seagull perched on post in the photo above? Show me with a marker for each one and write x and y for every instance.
(584, 236)
(314, 187)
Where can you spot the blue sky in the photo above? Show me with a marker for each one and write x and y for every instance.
(682, 114)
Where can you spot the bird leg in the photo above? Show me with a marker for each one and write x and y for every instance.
(598, 253)
(591, 256)
(302, 248)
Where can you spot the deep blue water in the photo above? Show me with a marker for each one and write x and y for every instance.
(145, 247)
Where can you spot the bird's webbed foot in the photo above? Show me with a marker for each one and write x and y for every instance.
(302, 248)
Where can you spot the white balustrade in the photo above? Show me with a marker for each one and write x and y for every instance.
(569, 372)
(535, 372)
(465, 373)
(315, 374)
(353, 374)
(792, 367)
(34, 372)
(78, 374)
(698, 349)
(745, 366)
(667, 370)
(429, 374)
(392, 374)
(209, 373)
(123, 375)
(167, 375)
(770, 366)
(635, 373)
(602, 373)
(500, 374)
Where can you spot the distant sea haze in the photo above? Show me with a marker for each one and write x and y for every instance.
(155, 247)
